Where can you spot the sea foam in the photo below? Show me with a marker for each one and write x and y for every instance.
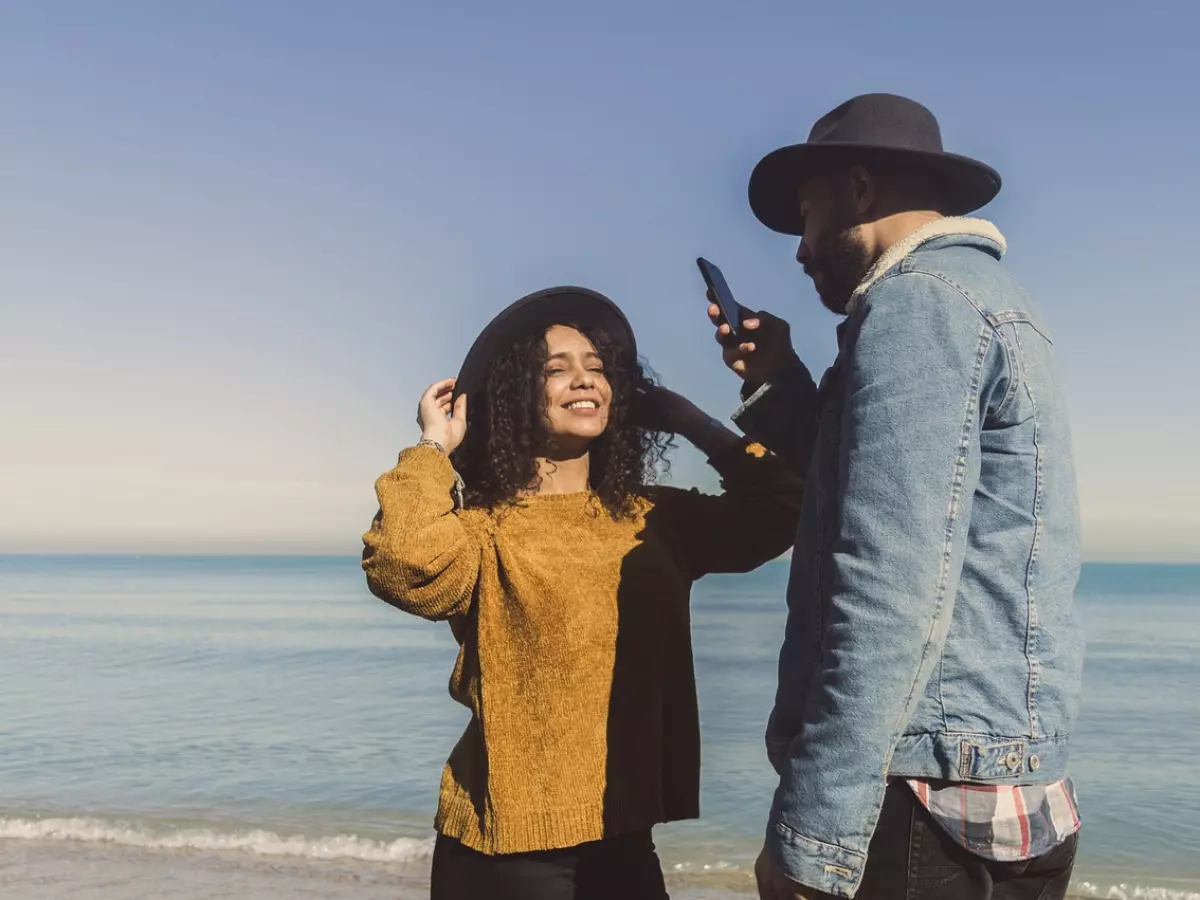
(261, 842)
(1130, 892)
(255, 841)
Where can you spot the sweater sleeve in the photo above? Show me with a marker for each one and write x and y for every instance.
(417, 555)
(753, 521)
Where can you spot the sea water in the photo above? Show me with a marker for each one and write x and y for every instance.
(234, 726)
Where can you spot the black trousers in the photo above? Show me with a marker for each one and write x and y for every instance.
(625, 867)
(912, 858)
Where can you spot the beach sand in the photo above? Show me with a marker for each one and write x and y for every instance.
(57, 870)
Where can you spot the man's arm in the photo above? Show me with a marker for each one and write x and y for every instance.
(781, 414)
(909, 466)
(779, 398)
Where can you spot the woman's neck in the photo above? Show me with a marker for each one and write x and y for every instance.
(562, 474)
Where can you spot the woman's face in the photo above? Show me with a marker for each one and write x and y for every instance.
(576, 393)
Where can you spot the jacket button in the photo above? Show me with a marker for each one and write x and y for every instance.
(1013, 761)
(1034, 763)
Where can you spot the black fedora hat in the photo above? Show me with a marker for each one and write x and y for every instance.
(536, 312)
(868, 127)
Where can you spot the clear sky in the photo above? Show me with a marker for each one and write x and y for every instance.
(238, 238)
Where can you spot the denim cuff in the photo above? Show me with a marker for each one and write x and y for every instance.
(773, 399)
(813, 863)
(748, 402)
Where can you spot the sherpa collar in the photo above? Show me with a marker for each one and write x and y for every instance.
(938, 228)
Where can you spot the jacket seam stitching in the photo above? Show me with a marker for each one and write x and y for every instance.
(993, 321)
(783, 826)
(1032, 561)
(1014, 374)
(960, 467)
(992, 317)
(990, 735)
(910, 268)
(941, 693)
(1020, 317)
(914, 269)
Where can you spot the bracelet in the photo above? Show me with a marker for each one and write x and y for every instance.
(428, 442)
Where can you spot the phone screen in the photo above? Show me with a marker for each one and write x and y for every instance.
(731, 310)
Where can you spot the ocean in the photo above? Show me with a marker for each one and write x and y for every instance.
(263, 727)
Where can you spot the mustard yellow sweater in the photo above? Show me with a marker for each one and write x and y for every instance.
(575, 647)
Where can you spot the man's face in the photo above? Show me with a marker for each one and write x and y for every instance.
(832, 250)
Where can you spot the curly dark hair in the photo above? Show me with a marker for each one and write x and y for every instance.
(507, 431)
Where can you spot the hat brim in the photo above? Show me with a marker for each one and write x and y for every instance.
(776, 180)
(535, 313)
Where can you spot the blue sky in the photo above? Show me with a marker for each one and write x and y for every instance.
(238, 239)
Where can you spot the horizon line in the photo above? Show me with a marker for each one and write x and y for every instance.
(348, 556)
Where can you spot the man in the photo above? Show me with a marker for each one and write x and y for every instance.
(930, 670)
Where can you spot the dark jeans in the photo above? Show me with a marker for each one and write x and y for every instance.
(912, 858)
(625, 867)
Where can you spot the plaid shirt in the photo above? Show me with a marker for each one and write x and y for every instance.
(1002, 822)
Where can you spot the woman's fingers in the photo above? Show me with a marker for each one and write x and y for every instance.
(435, 402)
(440, 388)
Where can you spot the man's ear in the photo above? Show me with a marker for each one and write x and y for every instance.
(864, 190)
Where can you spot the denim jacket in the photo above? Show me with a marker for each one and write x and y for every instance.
(930, 629)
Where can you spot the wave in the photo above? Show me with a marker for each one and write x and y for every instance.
(1130, 892)
(254, 841)
(261, 842)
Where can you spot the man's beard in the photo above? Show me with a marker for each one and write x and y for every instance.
(843, 264)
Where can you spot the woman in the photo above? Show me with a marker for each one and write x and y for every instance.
(565, 578)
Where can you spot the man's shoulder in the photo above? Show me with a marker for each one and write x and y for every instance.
(961, 282)
(976, 278)
(915, 290)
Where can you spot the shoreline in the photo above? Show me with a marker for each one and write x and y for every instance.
(84, 864)
(163, 713)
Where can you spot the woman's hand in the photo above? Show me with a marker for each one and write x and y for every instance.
(658, 409)
(439, 422)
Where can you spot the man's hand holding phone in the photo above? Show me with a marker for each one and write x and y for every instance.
(757, 346)
(761, 352)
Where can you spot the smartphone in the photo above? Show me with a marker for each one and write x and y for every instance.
(732, 312)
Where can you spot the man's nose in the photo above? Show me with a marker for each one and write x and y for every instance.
(803, 255)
